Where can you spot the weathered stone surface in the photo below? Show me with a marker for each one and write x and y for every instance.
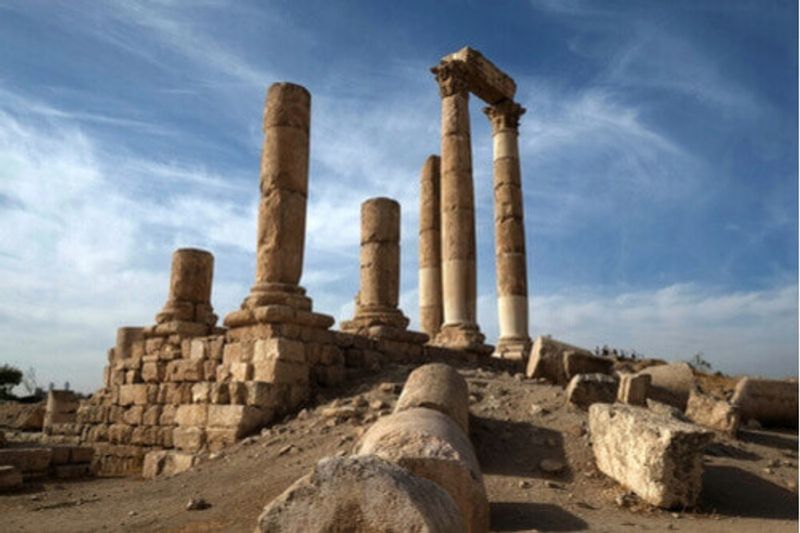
(488, 82)
(430, 444)
(546, 359)
(22, 416)
(633, 388)
(770, 402)
(586, 389)
(361, 494)
(659, 459)
(671, 383)
(440, 387)
(27, 459)
(10, 477)
(126, 336)
(710, 412)
(580, 362)
(189, 299)
(166, 463)
(430, 253)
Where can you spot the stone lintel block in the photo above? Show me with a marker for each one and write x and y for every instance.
(190, 439)
(485, 80)
(658, 458)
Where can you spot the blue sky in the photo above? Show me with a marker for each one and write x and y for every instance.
(659, 158)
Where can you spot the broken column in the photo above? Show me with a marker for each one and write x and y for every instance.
(437, 386)
(459, 283)
(376, 312)
(430, 253)
(658, 458)
(189, 300)
(281, 213)
(361, 494)
(771, 402)
(509, 227)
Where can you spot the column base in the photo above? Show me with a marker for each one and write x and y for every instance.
(379, 323)
(265, 294)
(466, 337)
(513, 348)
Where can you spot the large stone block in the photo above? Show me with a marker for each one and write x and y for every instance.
(279, 348)
(27, 459)
(581, 362)
(633, 388)
(136, 394)
(10, 477)
(488, 82)
(361, 494)
(658, 458)
(547, 357)
(280, 371)
(440, 387)
(166, 463)
(192, 415)
(244, 419)
(671, 384)
(771, 402)
(431, 445)
(190, 439)
(710, 412)
(586, 389)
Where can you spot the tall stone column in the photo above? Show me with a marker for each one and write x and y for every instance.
(459, 282)
(430, 253)
(284, 191)
(510, 257)
(377, 313)
(190, 281)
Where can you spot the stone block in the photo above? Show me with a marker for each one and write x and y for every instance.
(261, 394)
(221, 438)
(244, 419)
(190, 439)
(279, 348)
(241, 371)
(280, 371)
(546, 360)
(60, 455)
(485, 80)
(581, 362)
(10, 478)
(166, 463)
(167, 417)
(27, 459)
(192, 415)
(707, 411)
(133, 415)
(201, 392)
(329, 376)
(769, 401)
(633, 388)
(137, 394)
(659, 459)
(72, 471)
(361, 494)
(671, 383)
(153, 372)
(151, 415)
(219, 393)
(81, 454)
(61, 401)
(586, 389)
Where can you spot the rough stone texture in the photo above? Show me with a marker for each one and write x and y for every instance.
(547, 359)
(10, 478)
(126, 336)
(22, 416)
(361, 495)
(430, 251)
(27, 460)
(633, 388)
(586, 389)
(509, 230)
(430, 444)
(166, 463)
(771, 402)
(671, 383)
(666, 410)
(61, 408)
(578, 362)
(710, 412)
(659, 459)
(440, 387)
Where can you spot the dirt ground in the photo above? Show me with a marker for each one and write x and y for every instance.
(750, 484)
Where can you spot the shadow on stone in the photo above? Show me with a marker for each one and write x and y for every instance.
(731, 491)
(720, 449)
(526, 516)
(780, 439)
(516, 448)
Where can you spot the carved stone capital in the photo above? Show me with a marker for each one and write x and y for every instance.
(451, 78)
(504, 115)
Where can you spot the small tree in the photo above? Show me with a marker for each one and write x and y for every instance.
(10, 377)
(699, 362)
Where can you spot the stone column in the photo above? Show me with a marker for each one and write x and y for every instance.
(509, 231)
(378, 296)
(190, 280)
(430, 254)
(282, 207)
(459, 282)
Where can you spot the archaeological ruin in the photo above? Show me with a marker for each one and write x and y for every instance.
(186, 388)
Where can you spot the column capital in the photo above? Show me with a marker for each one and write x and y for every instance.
(504, 115)
(451, 77)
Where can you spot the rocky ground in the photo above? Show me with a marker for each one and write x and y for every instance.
(534, 451)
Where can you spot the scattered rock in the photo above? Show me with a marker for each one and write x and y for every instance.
(585, 389)
(197, 504)
(286, 449)
(524, 484)
(551, 466)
